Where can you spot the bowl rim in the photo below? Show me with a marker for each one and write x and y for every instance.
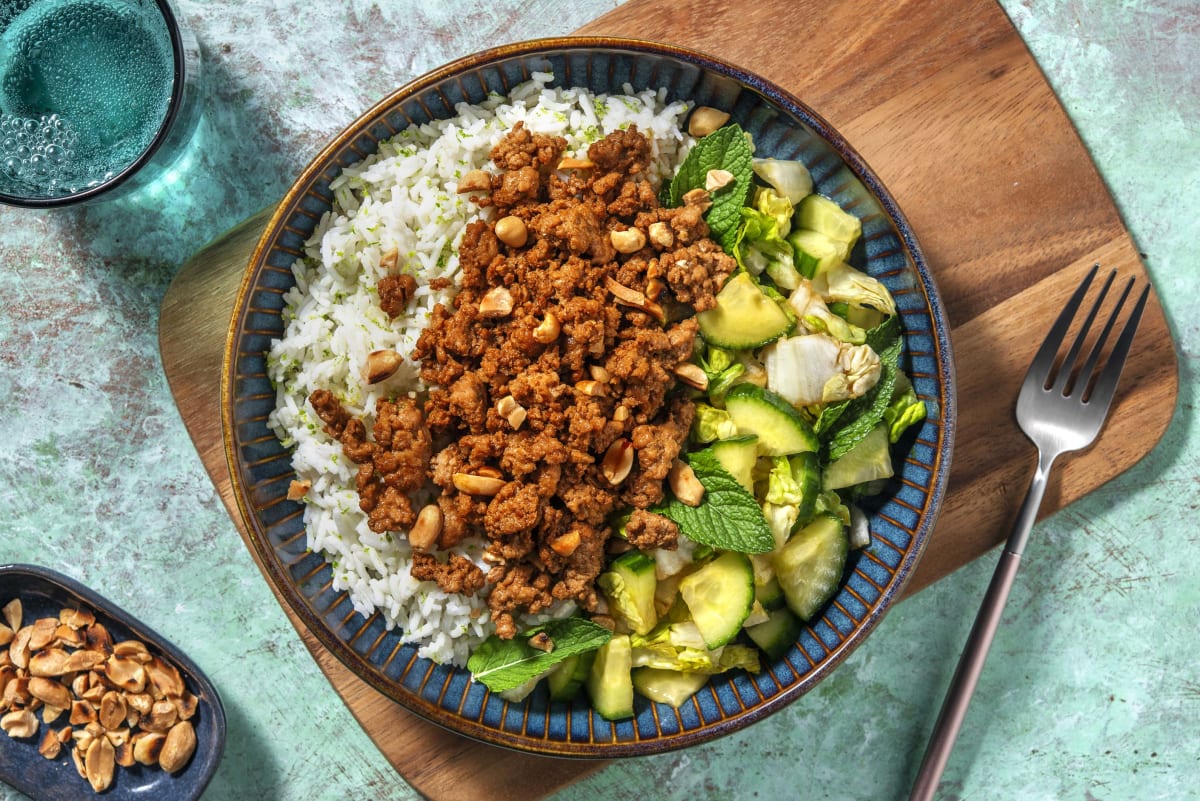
(174, 109)
(947, 413)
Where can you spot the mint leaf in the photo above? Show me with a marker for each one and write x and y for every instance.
(724, 149)
(504, 664)
(828, 416)
(865, 413)
(728, 518)
(885, 335)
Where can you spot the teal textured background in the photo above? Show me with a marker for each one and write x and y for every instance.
(1091, 691)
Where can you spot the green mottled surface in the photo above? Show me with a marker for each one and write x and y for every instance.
(1092, 690)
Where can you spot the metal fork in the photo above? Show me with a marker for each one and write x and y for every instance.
(1059, 412)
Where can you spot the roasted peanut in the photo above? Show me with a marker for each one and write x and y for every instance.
(705, 120)
(508, 408)
(629, 241)
(692, 375)
(548, 330)
(381, 365)
(178, 748)
(497, 303)
(717, 179)
(477, 485)
(424, 533)
(618, 461)
(475, 181)
(661, 236)
(512, 231)
(683, 482)
(298, 489)
(699, 198)
(569, 163)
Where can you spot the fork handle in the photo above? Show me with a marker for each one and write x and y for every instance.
(970, 664)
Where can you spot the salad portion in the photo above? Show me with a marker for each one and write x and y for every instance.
(799, 396)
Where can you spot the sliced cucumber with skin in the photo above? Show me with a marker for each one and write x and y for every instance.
(780, 429)
(744, 317)
(806, 469)
(777, 634)
(809, 566)
(820, 214)
(670, 687)
(609, 682)
(770, 594)
(719, 597)
(629, 585)
(566, 679)
(738, 455)
(815, 252)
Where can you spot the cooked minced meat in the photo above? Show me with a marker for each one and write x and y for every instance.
(587, 364)
(391, 465)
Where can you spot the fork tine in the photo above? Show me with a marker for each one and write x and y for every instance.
(1085, 372)
(1106, 384)
(1043, 362)
(1063, 381)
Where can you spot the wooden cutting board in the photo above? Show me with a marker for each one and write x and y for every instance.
(948, 106)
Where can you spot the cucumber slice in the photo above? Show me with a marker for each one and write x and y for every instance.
(780, 429)
(820, 214)
(809, 566)
(629, 585)
(567, 677)
(719, 596)
(770, 594)
(806, 469)
(738, 455)
(815, 252)
(777, 634)
(869, 460)
(670, 687)
(609, 683)
(744, 317)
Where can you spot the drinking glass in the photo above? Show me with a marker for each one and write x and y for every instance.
(96, 97)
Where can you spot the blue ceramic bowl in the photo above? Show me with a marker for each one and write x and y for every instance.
(43, 593)
(901, 520)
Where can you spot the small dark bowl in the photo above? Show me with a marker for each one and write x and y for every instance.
(900, 520)
(43, 593)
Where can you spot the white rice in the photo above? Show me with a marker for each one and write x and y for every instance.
(405, 198)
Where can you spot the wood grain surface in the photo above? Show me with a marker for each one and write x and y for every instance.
(946, 104)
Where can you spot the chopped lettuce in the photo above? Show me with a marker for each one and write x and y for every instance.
(905, 410)
(736, 656)
(680, 646)
(777, 207)
(721, 369)
(830, 502)
(787, 177)
(844, 283)
(815, 368)
(759, 245)
(781, 518)
(783, 485)
(818, 318)
(712, 424)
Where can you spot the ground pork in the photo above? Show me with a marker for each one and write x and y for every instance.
(584, 364)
